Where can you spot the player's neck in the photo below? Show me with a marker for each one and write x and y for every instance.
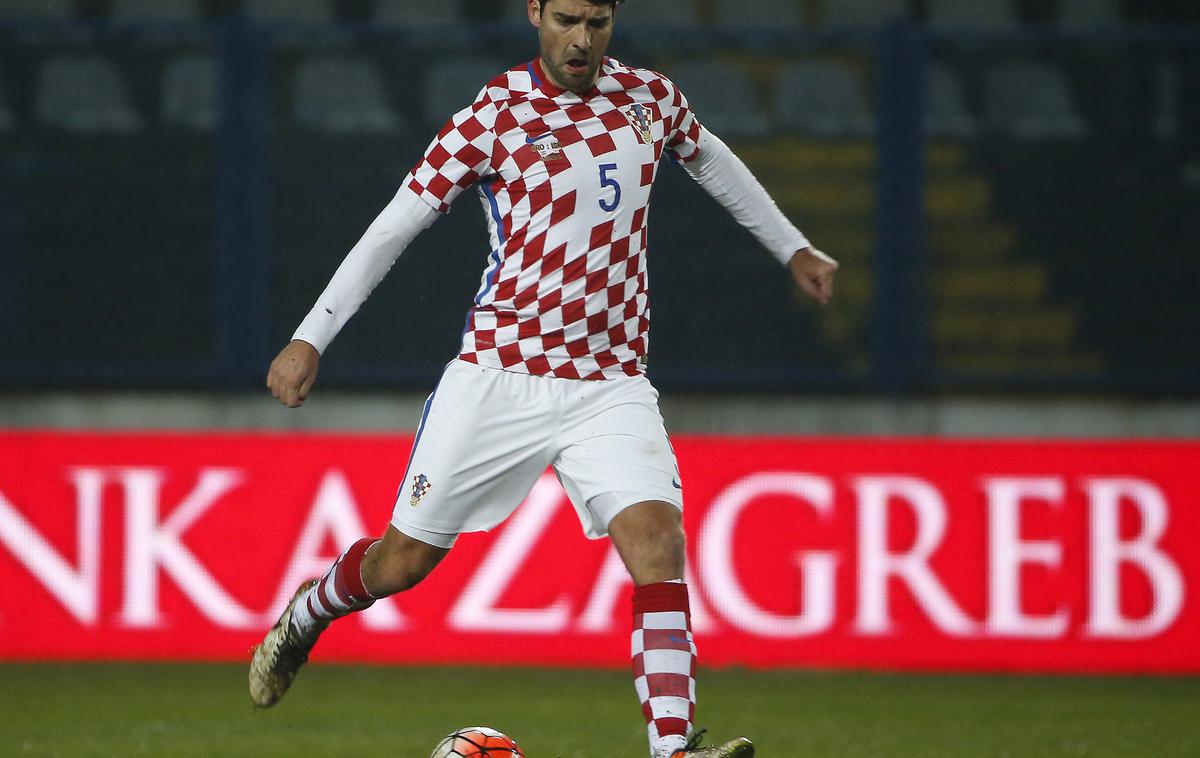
(545, 71)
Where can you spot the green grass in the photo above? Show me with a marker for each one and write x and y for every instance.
(203, 710)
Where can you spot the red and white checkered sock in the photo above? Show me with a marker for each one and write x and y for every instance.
(664, 664)
(340, 591)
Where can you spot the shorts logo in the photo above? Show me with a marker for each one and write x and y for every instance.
(641, 119)
(546, 145)
(421, 487)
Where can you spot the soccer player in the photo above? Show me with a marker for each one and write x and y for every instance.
(563, 151)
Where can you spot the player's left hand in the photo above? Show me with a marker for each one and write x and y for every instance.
(814, 271)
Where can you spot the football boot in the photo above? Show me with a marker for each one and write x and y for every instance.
(278, 658)
(738, 748)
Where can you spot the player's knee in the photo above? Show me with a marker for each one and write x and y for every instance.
(669, 540)
(656, 526)
(397, 563)
(650, 538)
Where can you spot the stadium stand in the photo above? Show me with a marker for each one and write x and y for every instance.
(408, 13)
(342, 95)
(669, 13)
(988, 14)
(515, 13)
(947, 113)
(722, 96)
(155, 10)
(190, 97)
(1003, 297)
(8, 119)
(773, 13)
(823, 99)
(452, 85)
(867, 13)
(1030, 100)
(35, 9)
(1089, 12)
(84, 94)
(289, 12)
(1166, 123)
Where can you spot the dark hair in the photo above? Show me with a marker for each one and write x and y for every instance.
(613, 3)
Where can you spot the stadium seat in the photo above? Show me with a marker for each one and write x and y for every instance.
(773, 13)
(408, 13)
(823, 99)
(1089, 12)
(85, 94)
(452, 85)
(947, 113)
(191, 93)
(346, 95)
(35, 9)
(985, 14)
(668, 13)
(155, 10)
(722, 96)
(1168, 86)
(514, 13)
(8, 119)
(1030, 100)
(289, 12)
(863, 12)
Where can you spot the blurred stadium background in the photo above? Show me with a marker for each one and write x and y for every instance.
(1011, 187)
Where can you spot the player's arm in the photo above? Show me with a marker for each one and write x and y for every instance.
(723, 175)
(457, 157)
(294, 370)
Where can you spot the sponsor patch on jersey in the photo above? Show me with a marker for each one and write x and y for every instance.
(547, 146)
(420, 489)
(641, 119)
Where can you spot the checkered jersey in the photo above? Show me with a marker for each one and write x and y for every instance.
(564, 180)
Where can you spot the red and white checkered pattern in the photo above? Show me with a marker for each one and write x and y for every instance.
(564, 180)
(664, 664)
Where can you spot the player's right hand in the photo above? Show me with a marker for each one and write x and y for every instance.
(814, 272)
(293, 372)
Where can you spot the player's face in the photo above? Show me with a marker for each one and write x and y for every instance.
(574, 35)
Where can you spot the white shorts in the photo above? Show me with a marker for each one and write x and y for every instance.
(487, 435)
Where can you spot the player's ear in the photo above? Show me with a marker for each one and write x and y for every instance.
(535, 12)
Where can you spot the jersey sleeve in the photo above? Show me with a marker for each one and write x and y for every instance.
(458, 156)
(723, 175)
(683, 128)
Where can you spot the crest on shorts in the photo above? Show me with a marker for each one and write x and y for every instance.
(641, 119)
(420, 489)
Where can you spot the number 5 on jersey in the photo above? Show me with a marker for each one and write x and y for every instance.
(608, 181)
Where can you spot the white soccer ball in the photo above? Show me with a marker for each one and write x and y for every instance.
(479, 741)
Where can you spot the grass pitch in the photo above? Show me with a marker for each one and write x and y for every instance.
(204, 710)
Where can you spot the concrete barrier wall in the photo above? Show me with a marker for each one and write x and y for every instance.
(684, 413)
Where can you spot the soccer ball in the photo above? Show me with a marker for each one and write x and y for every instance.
(481, 741)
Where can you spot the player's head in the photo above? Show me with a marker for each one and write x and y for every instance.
(574, 36)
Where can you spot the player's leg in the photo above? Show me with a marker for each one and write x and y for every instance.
(649, 537)
(370, 569)
(399, 562)
(621, 474)
(650, 540)
(481, 445)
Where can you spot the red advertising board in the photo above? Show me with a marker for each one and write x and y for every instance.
(900, 554)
